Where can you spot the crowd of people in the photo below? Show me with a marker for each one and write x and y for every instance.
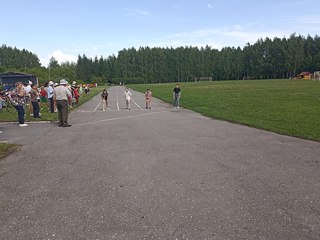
(56, 97)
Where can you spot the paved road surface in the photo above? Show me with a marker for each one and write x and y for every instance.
(157, 174)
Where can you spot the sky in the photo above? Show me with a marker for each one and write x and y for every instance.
(64, 29)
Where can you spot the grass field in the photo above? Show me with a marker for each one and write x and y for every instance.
(290, 107)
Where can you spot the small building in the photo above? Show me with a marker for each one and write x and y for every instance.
(305, 75)
(9, 79)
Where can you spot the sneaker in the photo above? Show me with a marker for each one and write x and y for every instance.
(23, 125)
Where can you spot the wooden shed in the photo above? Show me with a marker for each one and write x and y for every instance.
(305, 75)
(9, 79)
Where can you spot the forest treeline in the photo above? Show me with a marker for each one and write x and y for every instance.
(265, 59)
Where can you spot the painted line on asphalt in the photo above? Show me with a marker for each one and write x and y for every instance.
(97, 107)
(4, 123)
(111, 110)
(136, 104)
(117, 100)
(118, 118)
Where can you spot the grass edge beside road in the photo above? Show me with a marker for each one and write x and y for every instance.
(7, 148)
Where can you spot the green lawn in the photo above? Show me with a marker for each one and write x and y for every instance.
(290, 107)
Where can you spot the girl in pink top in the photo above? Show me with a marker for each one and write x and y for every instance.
(148, 97)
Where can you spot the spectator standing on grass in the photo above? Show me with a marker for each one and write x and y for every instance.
(127, 94)
(87, 89)
(62, 98)
(18, 98)
(176, 96)
(34, 94)
(28, 89)
(43, 97)
(50, 97)
(104, 97)
(148, 97)
(2, 99)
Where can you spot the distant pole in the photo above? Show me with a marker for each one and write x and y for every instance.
(49, 73)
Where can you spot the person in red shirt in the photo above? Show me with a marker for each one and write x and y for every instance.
(43, 97)
(76, 94)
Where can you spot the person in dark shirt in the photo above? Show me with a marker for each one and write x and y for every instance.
(104, 97)
(34, 101)
(176, 96)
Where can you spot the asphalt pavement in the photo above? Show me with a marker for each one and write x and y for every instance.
(163, 173)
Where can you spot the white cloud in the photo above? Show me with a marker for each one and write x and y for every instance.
(63, 57)
(210, 6)
(137, 12)
(60, 56)
(310, 23)
(236, 36)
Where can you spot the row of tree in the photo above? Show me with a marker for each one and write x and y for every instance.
(265, 59)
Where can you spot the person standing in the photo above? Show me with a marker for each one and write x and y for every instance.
(18, 100)
(127, 94)
(50, 97)
(43, 97)
(104, 97)
(148, 97)
(176, 96)
(34, 94)
(61, 97)
(28, 101)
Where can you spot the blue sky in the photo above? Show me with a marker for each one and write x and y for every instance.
(64, 28)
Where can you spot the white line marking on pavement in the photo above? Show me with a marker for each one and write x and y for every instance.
(96, 107)
(118, 118)
(86, 111)
(136, 104)
(117, 100)
(4, 123)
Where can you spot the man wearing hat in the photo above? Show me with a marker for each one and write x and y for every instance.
(28, 89)
(62, 96)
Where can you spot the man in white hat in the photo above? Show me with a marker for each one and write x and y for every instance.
(50, 96)
(28, 89)
(62, 96)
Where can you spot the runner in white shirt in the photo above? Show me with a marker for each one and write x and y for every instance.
(127, 94)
